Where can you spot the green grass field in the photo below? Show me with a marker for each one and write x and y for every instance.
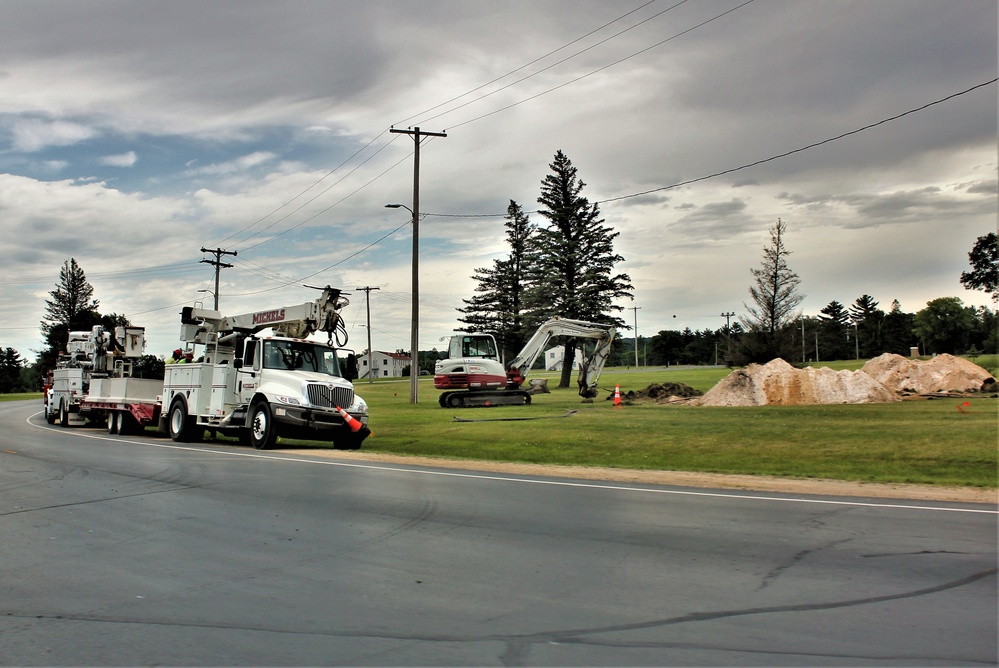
(937, 442)
(927, 442)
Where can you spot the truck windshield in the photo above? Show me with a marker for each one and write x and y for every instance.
(300, 356)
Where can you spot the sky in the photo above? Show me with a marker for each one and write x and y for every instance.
(134, 134)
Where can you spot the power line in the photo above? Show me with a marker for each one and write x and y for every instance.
(555, 64)
(600, 69)
(748, 165)
(526, 65)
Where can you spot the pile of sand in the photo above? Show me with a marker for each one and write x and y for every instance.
(777, 382)
(943, 373)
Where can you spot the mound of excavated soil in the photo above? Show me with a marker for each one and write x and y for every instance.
(664, 392)
(943, 373)
(777, 382)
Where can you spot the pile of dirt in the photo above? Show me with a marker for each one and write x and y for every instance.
(662, 393)
(941, 374)
(777, 382)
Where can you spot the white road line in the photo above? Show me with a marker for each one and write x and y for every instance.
(485, 476)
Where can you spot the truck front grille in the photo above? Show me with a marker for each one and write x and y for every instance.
(330, 397)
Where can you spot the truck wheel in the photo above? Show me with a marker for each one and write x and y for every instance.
(181, 426)
(126, 424)
(349, 441)
(63, 414)
(50, 415)
(263, 435)
(113, 422)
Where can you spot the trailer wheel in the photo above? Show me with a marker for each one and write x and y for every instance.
(63, 414)
(113, 425)
(263, 435)
(181, 426)
(126, 424)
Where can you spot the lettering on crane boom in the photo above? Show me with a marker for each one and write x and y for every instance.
(268, 316)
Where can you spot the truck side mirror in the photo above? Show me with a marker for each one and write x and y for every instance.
(237, 363)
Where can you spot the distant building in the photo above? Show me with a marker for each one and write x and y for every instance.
(554, 357)
(383, 364)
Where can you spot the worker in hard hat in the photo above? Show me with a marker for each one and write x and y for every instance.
(176, 357)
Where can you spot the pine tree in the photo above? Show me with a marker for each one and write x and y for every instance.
(770, 322)
(896, 332)
(72, 308)
(572, 272)
(498, 305)
(834, 334)
(869, 320)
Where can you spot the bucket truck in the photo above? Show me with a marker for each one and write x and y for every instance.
(472, 374)
(260, 387)
(92, 381)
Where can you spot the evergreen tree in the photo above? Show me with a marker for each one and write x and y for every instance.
(834, 343)
(572, 271)
(10, 371)
(984, 259)
(868, 319)
(498, 305)
(896, 332)
(770, 323)
(72, 308)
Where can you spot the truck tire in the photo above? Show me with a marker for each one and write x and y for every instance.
(182, 427)
(50, 415)
(126, 424)
(263, 434)
(63, 414)
(113, 424)
(348, 441)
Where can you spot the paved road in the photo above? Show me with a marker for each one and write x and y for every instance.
(131, 551)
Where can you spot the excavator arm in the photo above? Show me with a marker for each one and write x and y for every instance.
(592, 365)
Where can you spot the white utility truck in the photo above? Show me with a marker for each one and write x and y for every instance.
(262, 387)
(92, 381)
(472, 374)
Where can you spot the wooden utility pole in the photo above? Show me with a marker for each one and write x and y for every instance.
(219, 264)
(635, 309)
(414, 342)
(367, 301)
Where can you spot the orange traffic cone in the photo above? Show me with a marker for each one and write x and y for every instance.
(617, 396)
(351, 421)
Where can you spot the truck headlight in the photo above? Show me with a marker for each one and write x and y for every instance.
(360, 405)
(290, 401)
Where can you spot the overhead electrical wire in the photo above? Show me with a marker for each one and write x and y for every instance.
(599, 69)
(750, 164)
(526, 65)
(553, 65)
(564, 46)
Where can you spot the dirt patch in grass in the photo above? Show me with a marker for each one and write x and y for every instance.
(681, 478)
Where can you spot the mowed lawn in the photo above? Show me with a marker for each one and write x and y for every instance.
(928, 441)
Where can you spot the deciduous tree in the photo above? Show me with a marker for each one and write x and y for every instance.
(944, 325)
(984, 259)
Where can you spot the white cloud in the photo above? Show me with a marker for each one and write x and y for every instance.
(121, 160)
(31, 134)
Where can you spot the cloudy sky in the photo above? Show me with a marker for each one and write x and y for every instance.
(133, 134)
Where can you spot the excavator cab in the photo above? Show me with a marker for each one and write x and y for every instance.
(473, 345)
